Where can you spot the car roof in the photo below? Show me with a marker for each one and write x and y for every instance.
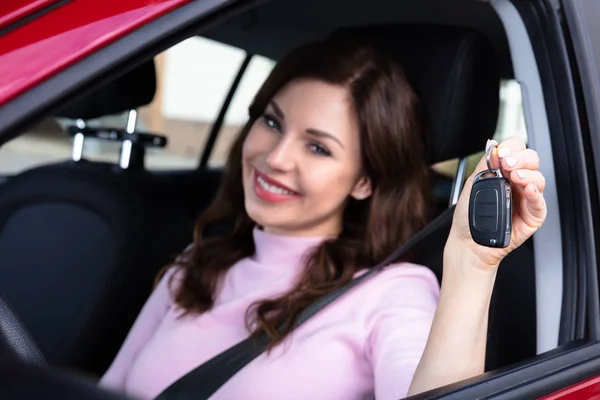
(45, 39)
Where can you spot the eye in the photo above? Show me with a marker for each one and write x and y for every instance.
(319, 150)
(272, 122)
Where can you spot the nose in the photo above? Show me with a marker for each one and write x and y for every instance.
(281, 157)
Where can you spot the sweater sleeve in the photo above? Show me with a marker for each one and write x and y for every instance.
(146, 323)
(401, 329)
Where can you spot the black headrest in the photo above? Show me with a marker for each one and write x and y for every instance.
(455, 74)
(131, 90)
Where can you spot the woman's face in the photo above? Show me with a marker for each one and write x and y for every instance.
(301, 161)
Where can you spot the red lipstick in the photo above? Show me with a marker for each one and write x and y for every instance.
(270, 190)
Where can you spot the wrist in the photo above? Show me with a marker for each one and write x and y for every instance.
(467, 284)
(468, 263)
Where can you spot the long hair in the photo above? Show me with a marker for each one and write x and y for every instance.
(393, 156)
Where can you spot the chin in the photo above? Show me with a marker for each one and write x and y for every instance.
(262, 216)
(254, 210)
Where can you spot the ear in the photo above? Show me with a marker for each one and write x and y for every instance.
(362, 189)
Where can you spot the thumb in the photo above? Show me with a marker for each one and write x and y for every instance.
(482, 165)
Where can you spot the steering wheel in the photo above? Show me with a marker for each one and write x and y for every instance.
(24, 373)
(21, 380)
(15, 340)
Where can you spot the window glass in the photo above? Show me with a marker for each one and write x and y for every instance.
(45, 143)
(49, 142)
(193, 79)
(237, 114)
(510, 123)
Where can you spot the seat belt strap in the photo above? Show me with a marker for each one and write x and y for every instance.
(203, 381)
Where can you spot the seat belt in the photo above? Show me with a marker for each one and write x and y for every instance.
(203, 381)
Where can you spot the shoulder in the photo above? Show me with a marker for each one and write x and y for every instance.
(404, 284)
(185, 254)
(176, 272)
(169, 282)
(400, 304)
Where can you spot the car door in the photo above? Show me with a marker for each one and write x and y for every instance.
(565, 40)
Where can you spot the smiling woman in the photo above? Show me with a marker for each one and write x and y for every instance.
(328, 176)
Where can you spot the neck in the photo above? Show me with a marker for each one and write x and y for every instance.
(281, 248)
(320, 231)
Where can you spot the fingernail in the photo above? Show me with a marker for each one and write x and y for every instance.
(503, 152)
(511, 161)
(521, 174)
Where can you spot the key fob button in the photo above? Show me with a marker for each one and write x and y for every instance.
(486, 217)
(490, 210)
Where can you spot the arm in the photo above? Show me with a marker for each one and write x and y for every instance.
(142, 330)
(402, 324)
(456, 346)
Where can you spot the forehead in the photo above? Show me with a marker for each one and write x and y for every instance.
(312, 102)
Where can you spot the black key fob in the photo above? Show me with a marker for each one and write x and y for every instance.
(490, 210)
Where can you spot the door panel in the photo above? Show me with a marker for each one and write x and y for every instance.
(587, 389)
(549, 373)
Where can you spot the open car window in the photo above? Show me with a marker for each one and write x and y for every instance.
(193, 79)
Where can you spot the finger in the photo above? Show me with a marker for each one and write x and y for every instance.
(523, 159)
(512, 144)
(535, 205)
(525, 177)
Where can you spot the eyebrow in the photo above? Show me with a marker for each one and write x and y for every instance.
(325, 135)
(314, 132)
(277, 109)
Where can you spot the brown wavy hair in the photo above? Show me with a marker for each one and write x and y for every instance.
(393, 153)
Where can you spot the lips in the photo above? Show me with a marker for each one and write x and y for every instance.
(270, 190)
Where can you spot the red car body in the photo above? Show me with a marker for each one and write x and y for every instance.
(63, 33)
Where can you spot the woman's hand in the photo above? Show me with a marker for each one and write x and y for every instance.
(521, 166)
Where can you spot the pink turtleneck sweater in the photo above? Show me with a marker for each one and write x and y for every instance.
(366, 344)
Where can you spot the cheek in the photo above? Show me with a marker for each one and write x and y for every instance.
(257, 142)
(330, 183)
(248, 149)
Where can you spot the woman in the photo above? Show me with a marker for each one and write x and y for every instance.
(326, 179)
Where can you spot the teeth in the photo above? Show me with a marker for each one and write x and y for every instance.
(271, 188)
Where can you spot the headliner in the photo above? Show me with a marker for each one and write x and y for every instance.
(277, 26)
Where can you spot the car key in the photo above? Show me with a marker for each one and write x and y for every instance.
(490, 206)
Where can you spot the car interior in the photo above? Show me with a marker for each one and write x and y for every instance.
(81, 239)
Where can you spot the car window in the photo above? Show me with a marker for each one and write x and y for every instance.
(196, 76)
(43, 144)
(193, 79)
(237, 113)
(510, 123)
